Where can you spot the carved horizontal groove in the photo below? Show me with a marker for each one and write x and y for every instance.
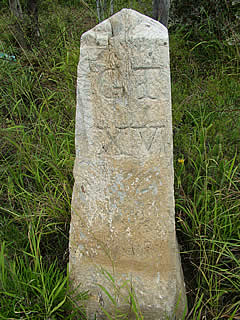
(147, 67)
(150, 98)
(131, 127)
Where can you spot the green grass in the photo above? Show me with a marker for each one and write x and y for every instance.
(37, 112)
(207, 189)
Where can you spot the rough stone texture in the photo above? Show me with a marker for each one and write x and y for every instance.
(123, 199)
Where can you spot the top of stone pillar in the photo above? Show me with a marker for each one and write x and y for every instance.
(126, 22)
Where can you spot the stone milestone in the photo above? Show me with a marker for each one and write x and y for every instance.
(123, 219)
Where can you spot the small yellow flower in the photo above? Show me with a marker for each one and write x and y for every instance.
(181, 161)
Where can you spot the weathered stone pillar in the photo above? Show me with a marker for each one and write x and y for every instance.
(123, 199)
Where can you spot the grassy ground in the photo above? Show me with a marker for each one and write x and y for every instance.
(37, 112)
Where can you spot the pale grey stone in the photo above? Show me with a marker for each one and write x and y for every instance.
(123, 216)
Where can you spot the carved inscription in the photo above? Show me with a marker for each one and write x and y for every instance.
(142, 84)
(110, 84)
(146, 83)
(134, 141)
(130, 123)
(132, 108)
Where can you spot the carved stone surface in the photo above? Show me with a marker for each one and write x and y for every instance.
(123, 199)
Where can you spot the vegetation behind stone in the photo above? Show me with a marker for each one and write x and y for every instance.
(37, 112)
